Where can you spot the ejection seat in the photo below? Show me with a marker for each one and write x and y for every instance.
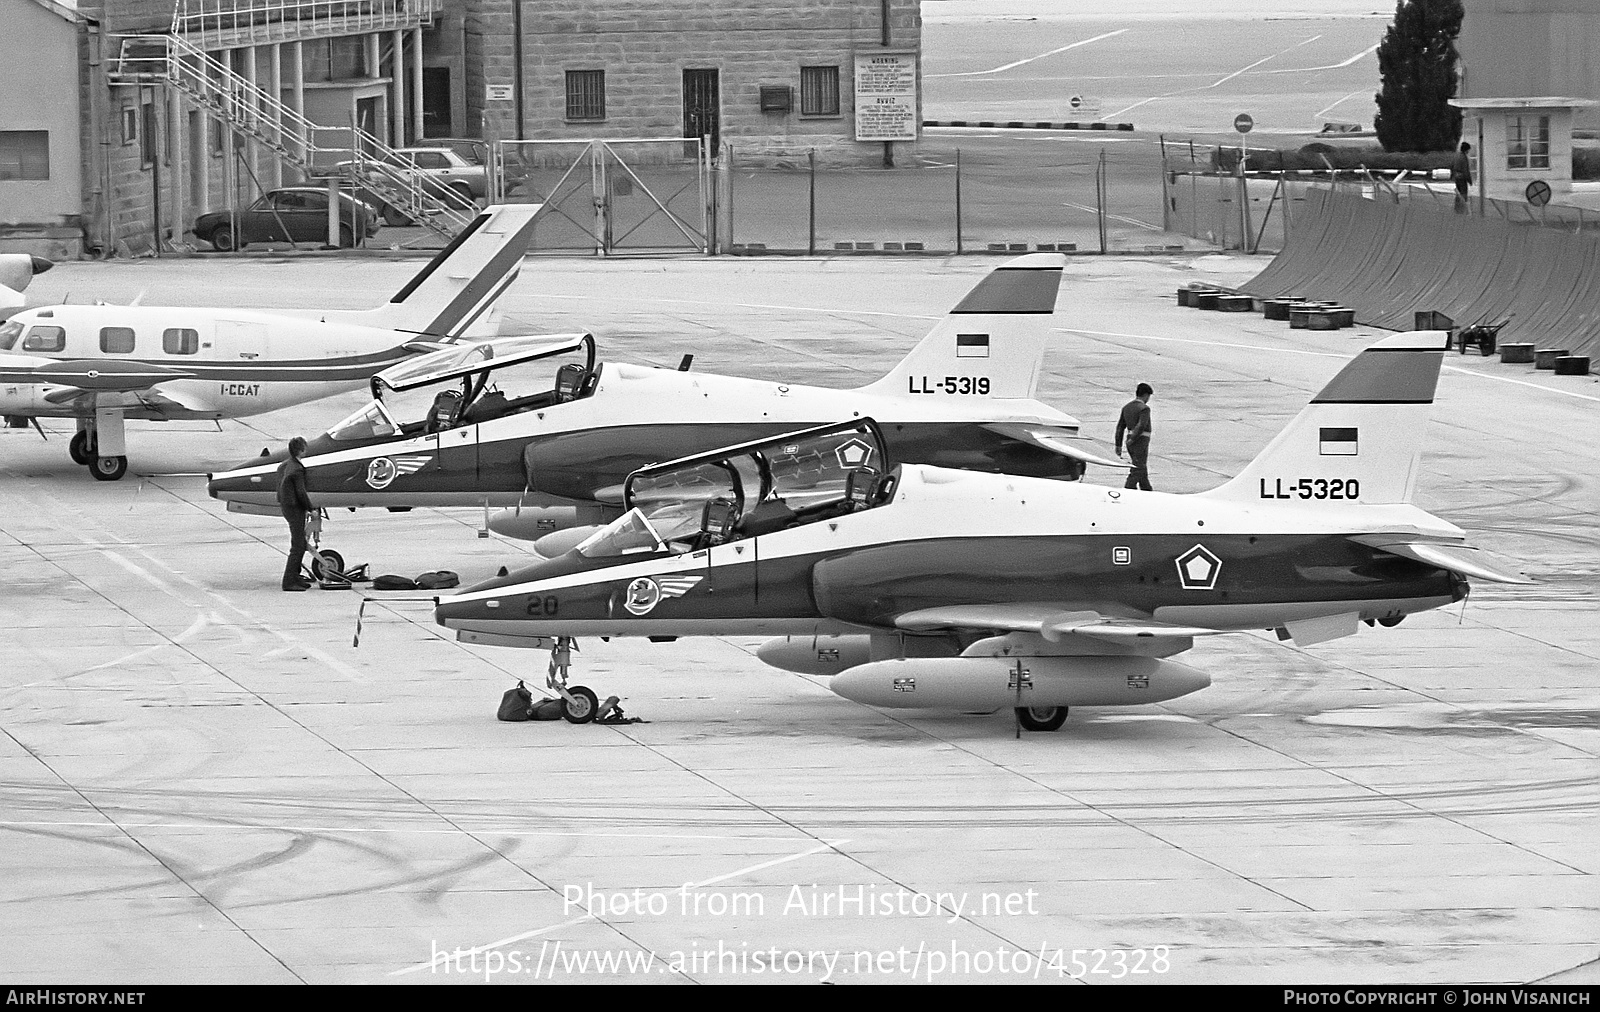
(569, 382)
(444, 412)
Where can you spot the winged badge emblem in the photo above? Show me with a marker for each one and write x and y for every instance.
(648, 591)
(382, 472)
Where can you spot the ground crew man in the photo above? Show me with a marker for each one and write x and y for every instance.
(295, 504)
(1134, 422)
(1461, 173)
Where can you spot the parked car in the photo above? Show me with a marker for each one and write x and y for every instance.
(441, 171)
(292, 214)
(469, 148)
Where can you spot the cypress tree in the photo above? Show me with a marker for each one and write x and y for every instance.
(1417, 61)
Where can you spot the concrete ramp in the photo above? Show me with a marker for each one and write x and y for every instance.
(1387, 260)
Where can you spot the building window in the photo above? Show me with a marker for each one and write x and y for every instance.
(586, 94)
(147, 134)
(819, 91)
(180, 341)
(24, 154)
(130, 124)
(116, 340)
(1527, 142)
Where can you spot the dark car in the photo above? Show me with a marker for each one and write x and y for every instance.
(292, 214)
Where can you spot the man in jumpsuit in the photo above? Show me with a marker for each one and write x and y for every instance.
(1134, 422)
(295, 504)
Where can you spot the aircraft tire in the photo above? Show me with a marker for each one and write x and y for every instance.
(325, 561)
(78, 449)
(1041, 718)
(582, 707)
(108, 468)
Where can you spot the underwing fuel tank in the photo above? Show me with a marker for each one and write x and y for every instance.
(988, 683)
(531, 523)
(816, 655)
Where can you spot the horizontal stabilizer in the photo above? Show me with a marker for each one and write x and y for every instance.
(1042, 619)
(1055, 440)
(1457, 558)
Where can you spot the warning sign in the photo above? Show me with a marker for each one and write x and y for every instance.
(886, 96)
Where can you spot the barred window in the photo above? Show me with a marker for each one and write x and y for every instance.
(1527, 142)
(24, 154)
(586, 94)
(819, 91)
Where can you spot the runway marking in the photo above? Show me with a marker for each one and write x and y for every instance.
(1213, 84)
(1115, 217)
(1331, 66)
(1017, 63)
(377, 830)
(826, 845)
(1342, 101)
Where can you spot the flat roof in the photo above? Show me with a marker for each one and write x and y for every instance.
(1539, 102)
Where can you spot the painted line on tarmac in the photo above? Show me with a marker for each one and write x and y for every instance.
(413, 830)
(826, 845)
(1213, 84)
(1321, 354)
(1331, 66)
(1342, 101)
(829, 311)
(1017, 63)
(1115, 217)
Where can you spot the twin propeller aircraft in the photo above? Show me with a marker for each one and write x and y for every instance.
(920, 586)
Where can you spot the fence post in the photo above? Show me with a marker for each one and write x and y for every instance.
(1165, 201)
(729, 175)
(811, 243)
(958, 200)
(1100, 196)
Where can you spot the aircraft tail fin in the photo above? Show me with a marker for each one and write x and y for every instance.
(992, 343)
(457, 289)
(1360, 438)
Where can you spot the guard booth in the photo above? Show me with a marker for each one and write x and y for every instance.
(1520, 141)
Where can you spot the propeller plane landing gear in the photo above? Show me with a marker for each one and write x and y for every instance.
(1041, 718)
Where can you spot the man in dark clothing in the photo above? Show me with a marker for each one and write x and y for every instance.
(295, 504)
(1461, 173)
(1134, 422)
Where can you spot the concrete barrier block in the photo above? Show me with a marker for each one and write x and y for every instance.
(1235, 303)
(1545, 358)
(1572, 365)
(1516, 353)
(1206, 300)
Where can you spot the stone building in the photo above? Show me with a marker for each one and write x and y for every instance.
(765, 77)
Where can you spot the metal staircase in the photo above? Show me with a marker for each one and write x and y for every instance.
(359, 159)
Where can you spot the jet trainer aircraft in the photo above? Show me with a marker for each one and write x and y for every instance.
(102, 364)
(537, 425)
(918, 586)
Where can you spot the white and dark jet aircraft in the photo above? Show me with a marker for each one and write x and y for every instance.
(918, 586)
(103, 364)
(538, 426)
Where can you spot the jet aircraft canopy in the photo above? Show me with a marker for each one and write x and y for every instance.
(471, 377)
(748, 490)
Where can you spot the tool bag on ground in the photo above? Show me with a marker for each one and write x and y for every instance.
(389, 581)
(515, 704)
(441, 579)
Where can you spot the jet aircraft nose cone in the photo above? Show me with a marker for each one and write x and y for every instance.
(40, 265)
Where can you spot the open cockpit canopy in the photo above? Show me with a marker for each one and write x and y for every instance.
(748, 490)
(462, 360)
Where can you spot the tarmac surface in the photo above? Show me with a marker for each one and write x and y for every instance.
(202, 780)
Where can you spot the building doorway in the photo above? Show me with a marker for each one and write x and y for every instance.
(701, 104)
(436, 102)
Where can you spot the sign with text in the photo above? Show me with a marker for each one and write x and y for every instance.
(498, 92)
(886, 96)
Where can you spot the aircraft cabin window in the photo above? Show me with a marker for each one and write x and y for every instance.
(9, 334)
(45, 339)
(116, 340)
(180, 341)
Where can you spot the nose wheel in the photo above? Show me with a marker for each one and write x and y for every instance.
(1041, 718)
(579, 703)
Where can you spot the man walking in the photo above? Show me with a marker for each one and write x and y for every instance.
(1461, 173)
(295, 504)
(1134, 422)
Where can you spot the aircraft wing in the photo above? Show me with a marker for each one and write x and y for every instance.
(1055, 440)
(1043, 619)
(1454, 556)
(82, 376)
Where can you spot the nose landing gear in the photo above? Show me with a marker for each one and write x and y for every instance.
(580, 705)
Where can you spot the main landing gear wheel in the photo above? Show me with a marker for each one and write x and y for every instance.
(78, 449)
(1041, 718)
(108, 468)
(326, 561)
(580, 704)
